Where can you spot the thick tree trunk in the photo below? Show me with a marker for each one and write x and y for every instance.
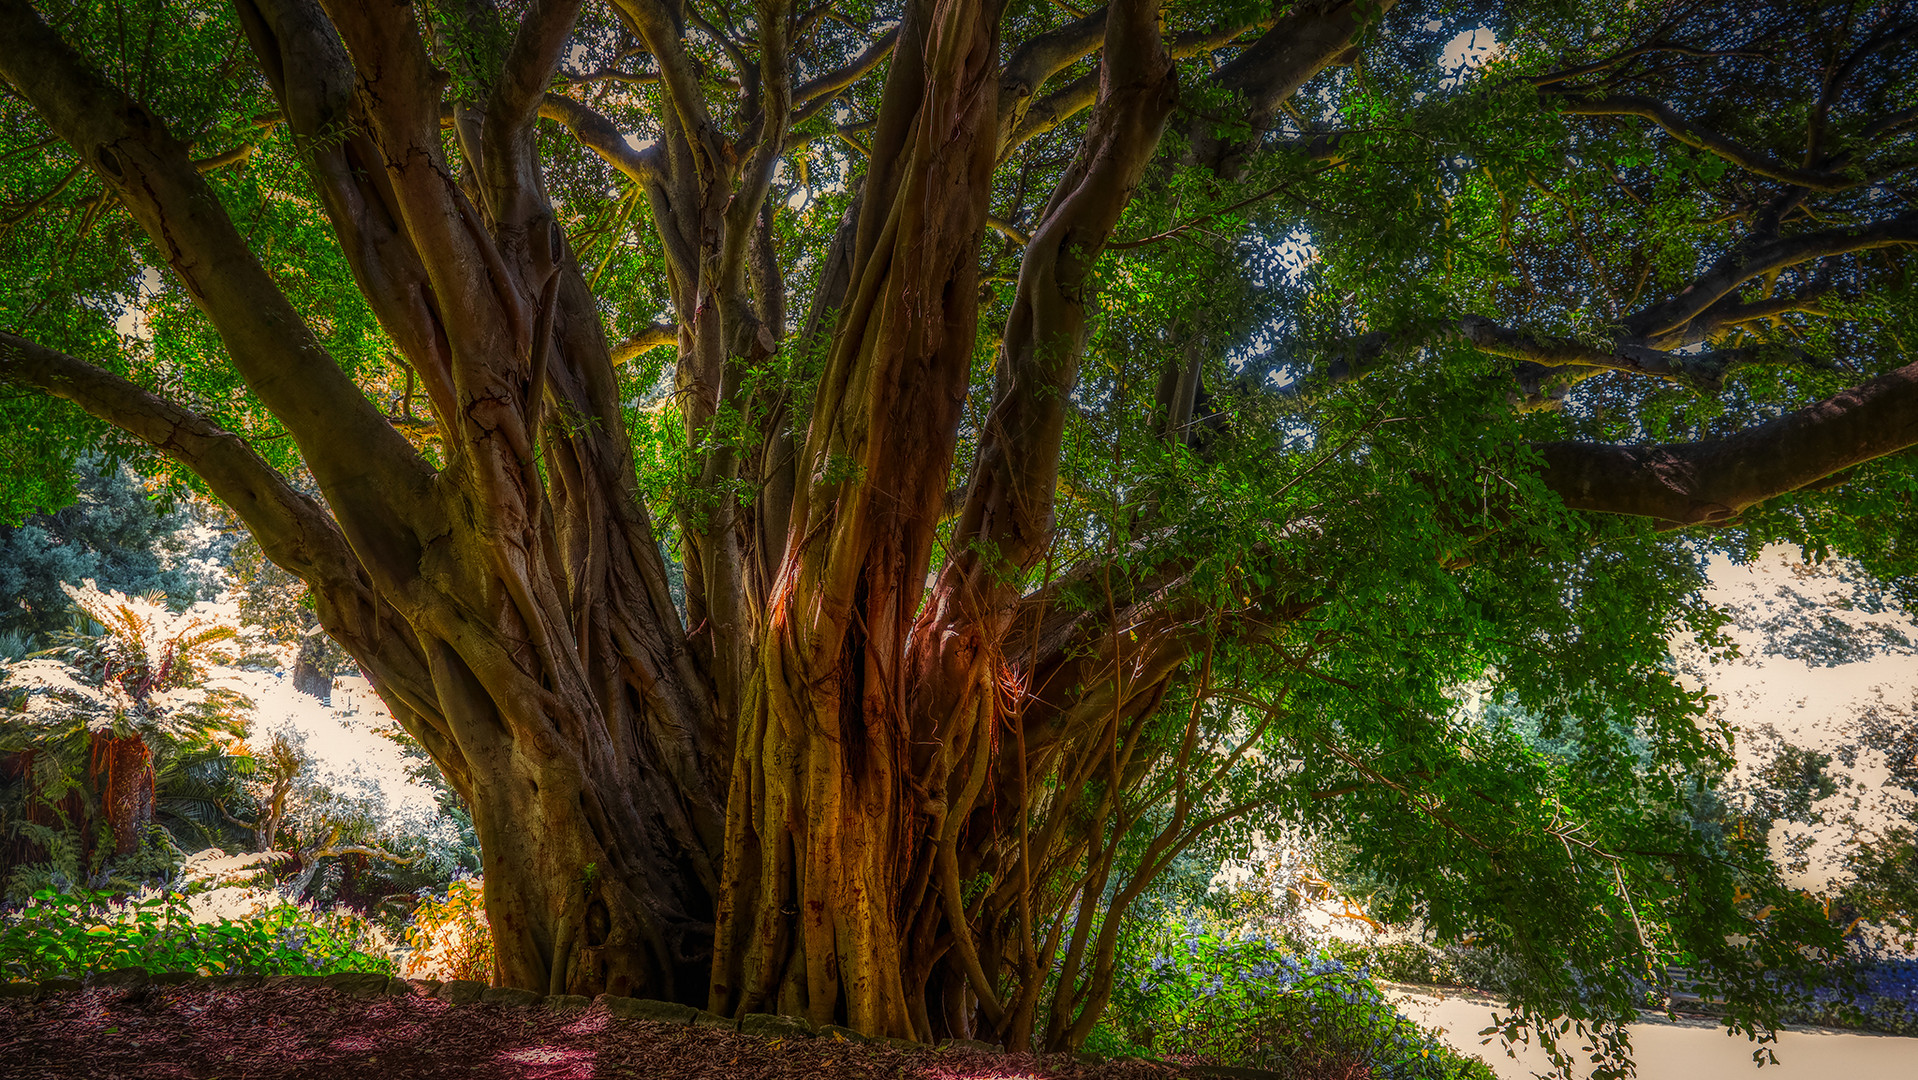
(824, 817)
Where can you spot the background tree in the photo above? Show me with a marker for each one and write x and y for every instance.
(89, 715)
(1012, 567)
(112, 534)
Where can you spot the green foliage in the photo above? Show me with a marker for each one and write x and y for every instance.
(113, 532)
(68, 858)
(71, 933)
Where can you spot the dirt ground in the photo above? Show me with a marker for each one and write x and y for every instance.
(283, 1033)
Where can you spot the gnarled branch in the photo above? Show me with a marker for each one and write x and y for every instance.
(1712, 482)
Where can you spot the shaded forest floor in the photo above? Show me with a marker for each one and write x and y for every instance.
(283, 1033)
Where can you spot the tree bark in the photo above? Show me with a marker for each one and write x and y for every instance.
(123, 767)
(1706, 483)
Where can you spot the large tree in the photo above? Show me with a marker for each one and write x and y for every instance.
(1185, 406)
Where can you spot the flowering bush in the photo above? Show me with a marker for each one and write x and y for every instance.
(1254, 1001)
(1880, 994)
(69, 934)
(449, 937)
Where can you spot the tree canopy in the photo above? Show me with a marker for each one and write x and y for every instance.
(849, 493)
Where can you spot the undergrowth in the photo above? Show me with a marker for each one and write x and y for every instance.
(71, 933)
(1273, 1004)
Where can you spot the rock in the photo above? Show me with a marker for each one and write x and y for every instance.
(664, 1012)
(126, 978)
(1233, 1072)
(902, 1044)
(510, 995)
(173, 978)
(58, 986)
(293, 982)
(233, 982)
(773, 1026)
(702, 1018)
(429, 987)
(1087, 1057)
(971, 1044)
(402, 988)
(358, 984)
(566, 1002)
(19, 989)
(461, 992)
(834, 1031)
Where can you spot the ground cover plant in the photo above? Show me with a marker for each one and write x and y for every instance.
(76, 934)
(849, 497)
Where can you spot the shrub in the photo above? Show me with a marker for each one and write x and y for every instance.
(69, 934)
(449, 937)
(1258, 1002)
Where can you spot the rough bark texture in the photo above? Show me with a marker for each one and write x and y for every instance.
(1707, 483)
(123, 767)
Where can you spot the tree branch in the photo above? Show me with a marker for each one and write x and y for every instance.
(817, 93)
(293, 529)
(1272, 69)
(1008, 515)
(1567, 74)
(1712, 482)
(1698, 137)
(600, 135)
(1747, 261)
(372, 476)
(650, 338)
(655, 25)
(311, 75)
(508, 160)
(1020, 123)
(1703, 371)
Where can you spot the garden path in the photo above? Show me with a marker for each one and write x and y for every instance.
(1685, 1050)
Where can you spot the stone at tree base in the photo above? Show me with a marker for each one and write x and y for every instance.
(58, 986)
(664, 1012)
(173, 978)
(971, 1044)
(126, 978)
(773, 1026)
(837, 1032)
(19, 989)
(702, 1018)
(358, 984)
(461, 992)
(566, 1002)
(510, 995)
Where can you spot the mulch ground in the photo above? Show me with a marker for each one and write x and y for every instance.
(161, 1033)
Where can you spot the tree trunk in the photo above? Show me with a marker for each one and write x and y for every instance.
(123, 766)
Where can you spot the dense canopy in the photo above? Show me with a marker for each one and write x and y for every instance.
(850, 494)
